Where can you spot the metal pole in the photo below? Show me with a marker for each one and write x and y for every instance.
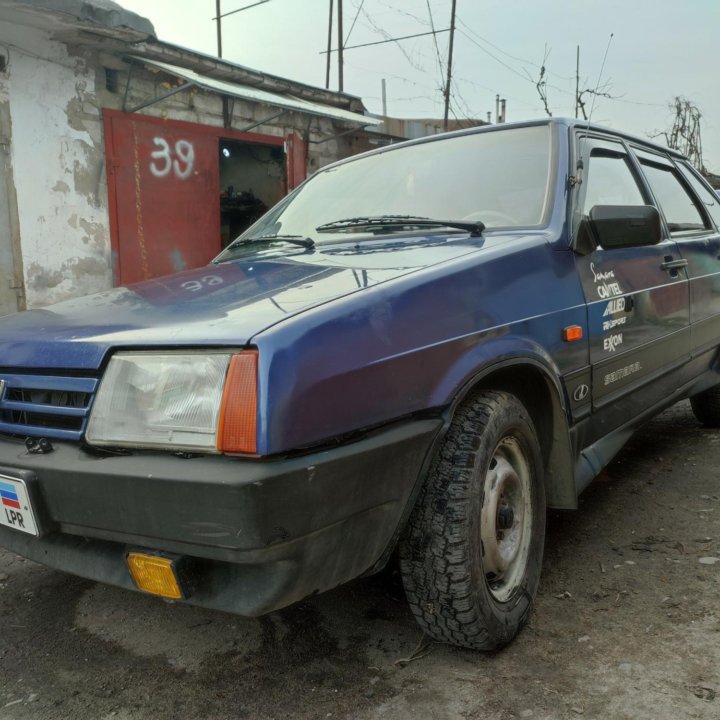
(329, 47)
(219, 27)
(449, 65)
(384, 98)
(340, 45)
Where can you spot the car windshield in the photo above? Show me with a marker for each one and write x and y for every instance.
(498, 178)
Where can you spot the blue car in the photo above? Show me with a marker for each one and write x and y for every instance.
(419, 350)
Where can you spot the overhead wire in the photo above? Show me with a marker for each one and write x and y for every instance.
(507, 54)
(357, 15)
(483, 44)
(462, 105)
(435, 43)
(497, 91)
(402, 11)
(565, 91)
(395, 76)
(388, 36)
(526, 77)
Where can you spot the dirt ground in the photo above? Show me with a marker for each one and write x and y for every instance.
(625, 626)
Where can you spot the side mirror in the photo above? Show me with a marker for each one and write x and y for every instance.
(619, 226)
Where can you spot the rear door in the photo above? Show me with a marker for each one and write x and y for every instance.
(692, 214)
(637, 299)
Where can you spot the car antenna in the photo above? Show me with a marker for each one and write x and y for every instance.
(581, 164)
(597, 85)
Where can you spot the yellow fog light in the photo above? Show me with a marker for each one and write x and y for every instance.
(155, 574)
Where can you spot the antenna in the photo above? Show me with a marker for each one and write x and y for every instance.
(577, 179)
(597, 85)
(580, 163)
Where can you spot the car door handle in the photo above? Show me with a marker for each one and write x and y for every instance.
(674, 264)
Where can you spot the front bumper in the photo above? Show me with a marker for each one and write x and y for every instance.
(261, 534)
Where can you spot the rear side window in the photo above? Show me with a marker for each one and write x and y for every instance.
(709, 198)
(677, 205)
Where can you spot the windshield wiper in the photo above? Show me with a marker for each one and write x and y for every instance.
(305, 242)
(398, 221)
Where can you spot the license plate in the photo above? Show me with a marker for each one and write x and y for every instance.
(15, 509)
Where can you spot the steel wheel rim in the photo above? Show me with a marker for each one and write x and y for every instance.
(506, 519)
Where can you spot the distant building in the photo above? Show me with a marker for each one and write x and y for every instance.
(410, 129)
(392, 130)
(123, 157)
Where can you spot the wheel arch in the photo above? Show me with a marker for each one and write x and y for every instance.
(539, 390)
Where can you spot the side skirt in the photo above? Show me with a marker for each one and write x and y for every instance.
(593, 458)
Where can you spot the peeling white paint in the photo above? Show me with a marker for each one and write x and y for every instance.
(57, 169)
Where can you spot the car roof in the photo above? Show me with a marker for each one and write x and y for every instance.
(570, 123)
(592, 127)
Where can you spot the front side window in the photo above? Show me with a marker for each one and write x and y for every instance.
(500, 178)
(610, 181)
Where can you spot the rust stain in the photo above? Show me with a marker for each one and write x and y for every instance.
(138, 205)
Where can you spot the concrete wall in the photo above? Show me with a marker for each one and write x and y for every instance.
(57, 160)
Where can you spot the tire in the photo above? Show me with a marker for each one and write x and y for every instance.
(469, 580)
(706, 406)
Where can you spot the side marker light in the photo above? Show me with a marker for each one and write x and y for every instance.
(572, 333)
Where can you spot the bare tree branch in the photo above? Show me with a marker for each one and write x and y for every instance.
(582, 95)
(541, 83)
(592, 93)
(684, 135)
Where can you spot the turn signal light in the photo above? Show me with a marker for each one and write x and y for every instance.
(154, 574)
(572, 333)
(237, 428)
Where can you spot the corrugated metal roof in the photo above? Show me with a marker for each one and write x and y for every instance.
(263, 96)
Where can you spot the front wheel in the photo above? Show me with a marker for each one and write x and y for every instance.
(472, 552)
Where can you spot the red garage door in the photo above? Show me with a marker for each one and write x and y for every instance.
(164, 192)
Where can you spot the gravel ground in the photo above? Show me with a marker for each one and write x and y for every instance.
(625, 626)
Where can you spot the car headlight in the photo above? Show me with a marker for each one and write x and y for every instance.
(194, 401)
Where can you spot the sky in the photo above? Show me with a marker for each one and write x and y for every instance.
(642, 53)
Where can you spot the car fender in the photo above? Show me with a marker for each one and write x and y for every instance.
(507, 363)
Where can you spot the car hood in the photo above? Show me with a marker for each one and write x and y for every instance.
(217, 305)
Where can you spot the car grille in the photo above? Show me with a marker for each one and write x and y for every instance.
(45, 405)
